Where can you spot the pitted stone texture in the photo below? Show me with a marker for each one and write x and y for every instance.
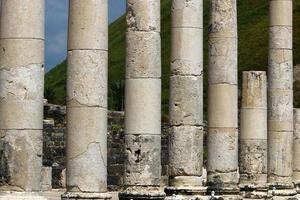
(22, 19)
(223, 20)
(222, 111)
(91, 29)
(87, 150)
(20, 114)
(143, 55)
(46, 179)
(21, 52)
(254, 94)
(186, 100)
(223, 146)
(223, 60)
(23, 159)
(22, 83)
(143, 15)
(281, 69)
(281, 37)
(253, 118)
(187, 46)
(142, 192)
(280, 115)
(186, 151)
(142, 160)
(296, 123)
(87, 78)
(253, 161)
(185, 184)
(280, 156)
(296, 148)
(185, 67)
(85, 195)
(142, 106)
(281, 13)
(187, 14)
(21, 196)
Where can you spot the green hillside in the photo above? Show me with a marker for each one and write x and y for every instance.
(253, 50)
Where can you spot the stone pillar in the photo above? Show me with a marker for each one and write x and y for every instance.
(280, 94)
(186, 98)
(253, 137)
(87, 100)
(21, 97)
(223, 97)
(143, 101)
(296, 160)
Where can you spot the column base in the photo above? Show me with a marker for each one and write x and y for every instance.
(202, 197)
(21, 196)
(85, 195)
(283, 194)
(142, 193)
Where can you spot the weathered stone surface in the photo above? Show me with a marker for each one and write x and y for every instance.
(143, 15)
(222, 60)
(281, 13)
(279, 75)
(142, 160)
(280, 37)
(223, 146)
(280, 115)
(143, 55)
(46, 178)
(296, 148)
(87, 78)
(186, 40)
(23, 159)
(254, 94)
(186, 67)
(296, 123)
(15, 53)
(22, 19)
(85, 195)
(186, 151)
(142, 106)
(21, 196)
(253, 161)
(186, 13)
(223, 109)
(184, 182)
(186, 102)
(88, 25)
(280, 156)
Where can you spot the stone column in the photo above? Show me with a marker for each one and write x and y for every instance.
(186, 97)
(87, 100)
(143, 101)
(223, 97)
(280, 94)
(253, 137)
(21, 97)
(296, 160)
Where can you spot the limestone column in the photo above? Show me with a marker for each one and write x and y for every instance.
(186, 97)
(21, 96)
(87, 100)
(280, 94)
(222, 96)
(143, 101)
(253, 137)
(296, 160)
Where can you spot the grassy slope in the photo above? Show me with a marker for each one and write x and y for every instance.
(253, 47)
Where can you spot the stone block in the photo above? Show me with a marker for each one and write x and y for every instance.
(46, 178)
(23, 159)
(281, 37)
(21, 52)
(296, 123)
(187, 14)
(281, 13)
(223, 109)
(143, 106)
(143, 55)
(186, 151)
(143, 15)
(281, 69)
(142, 161)
(86, 30)
(223, 61)
(187, 45)
(87, 78)
(186, 100)
(22, 19)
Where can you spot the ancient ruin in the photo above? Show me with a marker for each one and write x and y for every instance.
(252, 152)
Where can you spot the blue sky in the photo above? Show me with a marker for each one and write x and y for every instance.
(56, 28)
